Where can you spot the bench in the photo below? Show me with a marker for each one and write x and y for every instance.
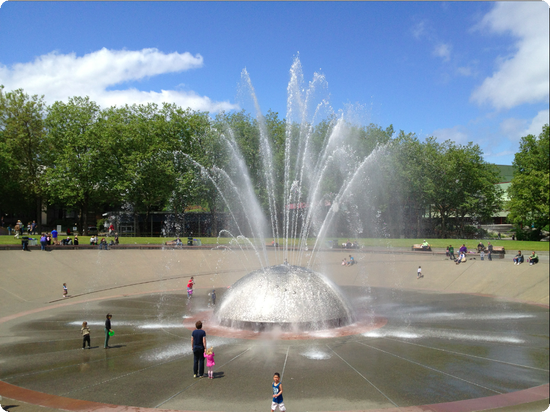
(420, 248)
(497, 250)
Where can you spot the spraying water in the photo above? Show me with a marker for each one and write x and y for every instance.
(305, 299)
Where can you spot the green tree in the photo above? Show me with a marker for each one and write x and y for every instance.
(530, 189)
(21, 151)
(192, 139)
(78, 172)
(139, 145)
(442, 181)
(479, 196)
(408, 187)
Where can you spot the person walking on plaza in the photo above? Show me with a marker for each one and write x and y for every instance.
(107, 330)
(198, 345)
(209, 355)
(419, 273)
(85, 331)
(190, 287)
(277, 388)
(54, 237)
(65, 290)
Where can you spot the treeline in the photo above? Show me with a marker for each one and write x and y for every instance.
(147, 158)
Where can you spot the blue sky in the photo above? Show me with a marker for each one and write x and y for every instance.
(465, 71)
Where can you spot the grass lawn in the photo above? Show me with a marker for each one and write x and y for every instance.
(510, 245)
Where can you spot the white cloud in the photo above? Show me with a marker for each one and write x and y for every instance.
(535, 128)
(512, 128)
(515, 129)
(419, 29)
(524, 76)
(444, 51)
(465, 71)
(59, 76)
(457, 134)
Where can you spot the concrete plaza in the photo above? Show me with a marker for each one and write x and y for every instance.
(466, 337)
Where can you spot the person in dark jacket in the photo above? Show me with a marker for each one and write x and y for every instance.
(198, 345)
(107, 330)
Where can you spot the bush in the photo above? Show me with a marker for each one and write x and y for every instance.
(99, 224)
(528, 234)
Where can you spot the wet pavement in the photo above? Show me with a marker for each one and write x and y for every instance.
(422, 348)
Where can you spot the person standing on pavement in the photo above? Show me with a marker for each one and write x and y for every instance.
(85, 331)
(277, 398)
(107, 330)
(198, 345)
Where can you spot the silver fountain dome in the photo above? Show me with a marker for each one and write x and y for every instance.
(284, 296)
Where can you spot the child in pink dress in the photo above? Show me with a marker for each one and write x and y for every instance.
(209, 355)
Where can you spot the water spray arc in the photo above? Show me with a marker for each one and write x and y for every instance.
(302, 205)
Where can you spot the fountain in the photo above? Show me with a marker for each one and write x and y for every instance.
(290, 296)
(285, 296)
(392, 345)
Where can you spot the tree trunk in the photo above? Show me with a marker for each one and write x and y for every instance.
(137, 232)
(418, 224)
(39, 214)
(84, 218)
(213, 221)
(151, 226)
(443, 226)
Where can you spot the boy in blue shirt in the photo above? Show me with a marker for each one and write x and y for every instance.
(277, 387)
